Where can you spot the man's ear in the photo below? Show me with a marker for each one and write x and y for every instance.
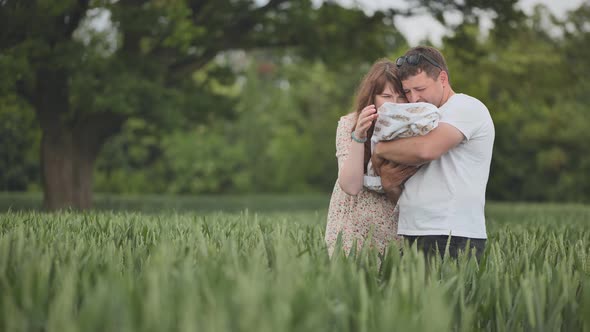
(443, 76)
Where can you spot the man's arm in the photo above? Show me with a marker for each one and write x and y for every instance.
(420, 149)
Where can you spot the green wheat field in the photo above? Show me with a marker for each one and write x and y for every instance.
(262, 266)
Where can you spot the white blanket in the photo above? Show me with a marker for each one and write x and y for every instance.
(398, 121)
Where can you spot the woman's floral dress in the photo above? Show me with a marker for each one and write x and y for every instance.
(355, 216)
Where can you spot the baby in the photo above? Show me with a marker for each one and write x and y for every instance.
(398, 121)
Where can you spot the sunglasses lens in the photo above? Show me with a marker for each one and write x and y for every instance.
(400, 61)
(410, 59)
(413, 59)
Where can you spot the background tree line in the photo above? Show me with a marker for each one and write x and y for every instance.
(190, 97)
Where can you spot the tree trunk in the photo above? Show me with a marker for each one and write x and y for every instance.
(83, 178)
(69, 147)
(67, 172)
(56, 170)
(68, 157)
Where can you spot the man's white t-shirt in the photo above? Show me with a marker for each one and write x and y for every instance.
(447, 196)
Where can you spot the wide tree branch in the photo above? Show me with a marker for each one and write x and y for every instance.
(188, 65)
(236, 37)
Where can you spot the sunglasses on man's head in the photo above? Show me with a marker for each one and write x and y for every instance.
(414, 60)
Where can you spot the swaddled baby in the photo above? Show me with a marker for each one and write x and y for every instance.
(398, 121)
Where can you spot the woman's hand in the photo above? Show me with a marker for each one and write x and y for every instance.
(364, 121)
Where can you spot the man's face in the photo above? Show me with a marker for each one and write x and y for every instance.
(421, 88)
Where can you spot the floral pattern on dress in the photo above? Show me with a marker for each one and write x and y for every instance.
(355, 216)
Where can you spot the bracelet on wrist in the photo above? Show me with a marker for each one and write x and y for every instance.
(358, 140)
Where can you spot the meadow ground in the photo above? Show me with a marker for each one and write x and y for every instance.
(259, 263)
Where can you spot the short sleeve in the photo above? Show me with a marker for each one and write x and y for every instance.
(467, 116)
(343, 139)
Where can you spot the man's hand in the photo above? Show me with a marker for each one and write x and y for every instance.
(393, 176)
(377, 163)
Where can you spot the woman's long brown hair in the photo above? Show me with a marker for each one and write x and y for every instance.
(382, 72)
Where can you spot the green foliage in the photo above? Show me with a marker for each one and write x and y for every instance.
(281, 139)
(246, 271)
(19, 135)
(289, 119)
(206, 160)
(122, 166)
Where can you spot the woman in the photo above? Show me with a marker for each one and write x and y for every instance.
(354, 210)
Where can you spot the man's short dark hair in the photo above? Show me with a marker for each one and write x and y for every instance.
(406, 70)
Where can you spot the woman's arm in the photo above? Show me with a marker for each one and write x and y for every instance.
(351, 173)
(351, 170)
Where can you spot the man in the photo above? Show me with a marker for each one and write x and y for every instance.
(444, 201)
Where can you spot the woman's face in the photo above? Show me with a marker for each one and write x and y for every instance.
(389, 95)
